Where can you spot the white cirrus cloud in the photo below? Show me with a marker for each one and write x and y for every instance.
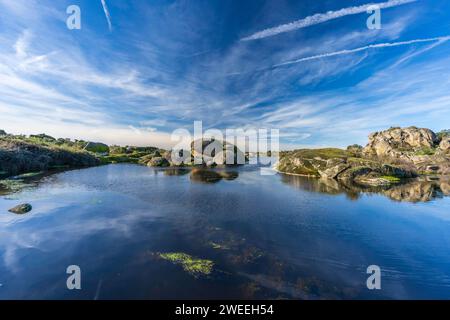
(322, 17)
(439, 40)
(107, 14)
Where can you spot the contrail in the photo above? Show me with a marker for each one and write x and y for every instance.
(323, 17)
(107, 15)
(368, 47)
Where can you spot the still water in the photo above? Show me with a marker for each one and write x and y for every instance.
(277, 237)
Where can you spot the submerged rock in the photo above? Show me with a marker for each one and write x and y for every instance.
(21, 208)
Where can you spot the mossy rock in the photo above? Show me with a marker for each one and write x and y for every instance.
(21, 208)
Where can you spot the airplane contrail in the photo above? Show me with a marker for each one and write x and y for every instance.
(323, 17)
(368, 47)
(107, 15)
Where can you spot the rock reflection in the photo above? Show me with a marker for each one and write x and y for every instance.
(176, 172)
(212, 176)
(417, 190)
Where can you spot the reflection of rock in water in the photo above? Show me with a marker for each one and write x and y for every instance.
(211, 176)
(417, 190)
(176, 172)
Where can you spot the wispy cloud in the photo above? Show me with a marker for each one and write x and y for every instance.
(322, 17)
(107, 15)
(21, 44)
(440, 40)
(153, 79)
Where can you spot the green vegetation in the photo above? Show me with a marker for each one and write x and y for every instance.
(59, 167)
(118, 158)
(326, 153)
(14, 185)
(355, 150)
(308, 162)
(391, 179)
(193, 266)
(443, 133)
(29, 175)
(425, 152)
(129, 154)
(20, 154)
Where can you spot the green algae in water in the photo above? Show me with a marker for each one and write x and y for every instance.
(14, 185)
(193, 266)
(219, 246)
(29, 175)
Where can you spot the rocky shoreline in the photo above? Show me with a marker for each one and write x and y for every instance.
(389, 157)
(23, 157)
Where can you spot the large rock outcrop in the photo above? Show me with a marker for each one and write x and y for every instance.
(419, 148)
(389, 156)
(394, 142)
(341, 165)
(215, 152)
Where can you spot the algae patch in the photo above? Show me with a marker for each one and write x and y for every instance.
(219, 246)
(29, 175)
(193, 266)
(13, 185)
(391, 179)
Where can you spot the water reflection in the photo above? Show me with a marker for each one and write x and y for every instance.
(416, 190)
(212, 176)
(266, 239)
(203, 175)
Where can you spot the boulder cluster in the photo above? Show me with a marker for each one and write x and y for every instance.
(206, 152)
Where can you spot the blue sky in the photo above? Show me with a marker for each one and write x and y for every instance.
(165, 64)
